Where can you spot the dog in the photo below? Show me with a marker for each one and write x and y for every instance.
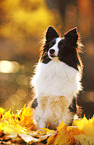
(57, 79)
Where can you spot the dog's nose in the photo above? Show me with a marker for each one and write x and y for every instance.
(52, 51)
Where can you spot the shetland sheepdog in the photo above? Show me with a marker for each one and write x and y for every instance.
(56, 82)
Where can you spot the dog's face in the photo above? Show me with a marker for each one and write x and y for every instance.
(62, 49)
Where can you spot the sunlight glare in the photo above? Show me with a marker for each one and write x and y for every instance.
(9, 66)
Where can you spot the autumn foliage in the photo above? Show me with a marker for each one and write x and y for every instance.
(19, 128)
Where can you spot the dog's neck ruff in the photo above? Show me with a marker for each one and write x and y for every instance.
(56, 79)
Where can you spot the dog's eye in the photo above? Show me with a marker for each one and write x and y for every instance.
(61, 44)
(52, 43)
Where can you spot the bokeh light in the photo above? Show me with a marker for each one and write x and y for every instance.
(9, 66)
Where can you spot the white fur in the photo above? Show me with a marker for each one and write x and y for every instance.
(55, 84)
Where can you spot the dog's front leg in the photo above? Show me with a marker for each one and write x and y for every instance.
(41, 123)
(39, 113)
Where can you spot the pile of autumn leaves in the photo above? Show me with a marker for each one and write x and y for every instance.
(19, 129)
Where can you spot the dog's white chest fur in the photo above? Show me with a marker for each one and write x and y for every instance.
(55, 84)
(56, 79)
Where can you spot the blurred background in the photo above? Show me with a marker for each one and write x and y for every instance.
(22, 27)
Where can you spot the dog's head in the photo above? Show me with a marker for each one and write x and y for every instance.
(61, 48)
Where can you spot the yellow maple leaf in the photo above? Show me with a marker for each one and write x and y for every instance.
(7, 115)
(1, 112)
(6, 128)
(64, 135)
(61, 125)
(85, 125)
(26, 118)
(60, 136)
(52, 138)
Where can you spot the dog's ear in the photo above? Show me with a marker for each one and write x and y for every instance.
(72, 35)
(51, 34)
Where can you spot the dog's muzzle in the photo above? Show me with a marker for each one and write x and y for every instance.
(52, 53)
